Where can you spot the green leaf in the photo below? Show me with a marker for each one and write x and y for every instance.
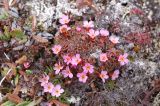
(5, 38)
(18, 33)
(35, 102)
(16, 79)
(4, 71)
(8, 103)
(6, 32)
(49, 69)
(111, 85)
(6, 35)
(25, 103)
(29, 72)
(4, 15)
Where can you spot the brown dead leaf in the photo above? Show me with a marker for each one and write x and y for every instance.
(24, 75)
(21, 60)
(16, 90)
(14, 98)
(40, 39)
(57, 103)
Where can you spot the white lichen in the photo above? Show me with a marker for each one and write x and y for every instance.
(63, 6)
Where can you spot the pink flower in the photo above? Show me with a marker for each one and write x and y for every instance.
(57, 90)
(103, 57)
(64, 20)
(57, 67)
(92, 33)
(104, 32)
(56, 49)
(67, 59)
(26, 65)
(88, 68)
(78, 28)
(67, 73)
(115, 74)
(44, 80)
(64, 28)
(87, 24)
(103, 75)
(114, 39)
(82, 77)
(48, 87)
(76, 60)
(123, 59)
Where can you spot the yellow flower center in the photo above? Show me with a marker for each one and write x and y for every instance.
(57, 49)
(102, 75)
(57, 91)
(65, 21)
(122, 59)
(83, 76)
(59, 67)
(49, 87)
(88, 67)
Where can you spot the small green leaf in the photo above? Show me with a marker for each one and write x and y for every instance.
(29, 72)
(16, 79)
(35, 102)
(8, 103)
(4, 71)
(18, 33)
(6, 35)
(6, 32)
(4, 15)
(111, 85)
(25, 103)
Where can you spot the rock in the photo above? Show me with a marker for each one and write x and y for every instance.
(5, 44)
(18, 48)
(29, 43)
(46, 34)
(13, 12)
(13, 41)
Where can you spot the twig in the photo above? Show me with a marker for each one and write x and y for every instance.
(6, 56)
(7, 72)
(5, 76)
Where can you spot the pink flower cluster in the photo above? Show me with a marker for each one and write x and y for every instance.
(87, 24)
(65, 68)
(87, 68)
(73, 61)
(104, 75)
(64, 20)
(122, 59)
(49, 87)
(93, 33)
